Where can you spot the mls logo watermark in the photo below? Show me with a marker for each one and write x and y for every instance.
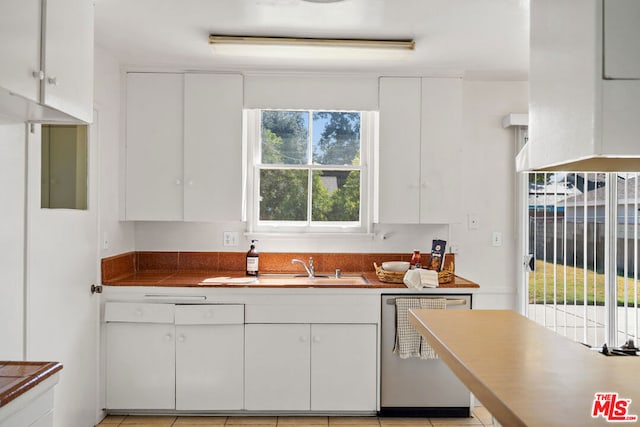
(612, 408)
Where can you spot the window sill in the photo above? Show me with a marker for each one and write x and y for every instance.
(258, 235)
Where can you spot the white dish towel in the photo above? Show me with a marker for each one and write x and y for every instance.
(409, 343)
(421, 278)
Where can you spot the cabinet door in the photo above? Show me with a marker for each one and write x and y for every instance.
(343, 368)
(140, 366)
(399, 151)
(209, 367)
(621, 35)
(68, 57)
(20, 47)
(154, 133)
(213, 147)
(441, 186)
(277, 367)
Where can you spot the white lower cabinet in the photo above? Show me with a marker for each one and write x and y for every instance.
(166, 356)
(255, 353)
(277, 367)
(140, 366)
(209, 356)
(343, 367)
(318, 367)
(33, 408)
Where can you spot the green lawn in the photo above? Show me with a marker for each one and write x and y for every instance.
(574, 283)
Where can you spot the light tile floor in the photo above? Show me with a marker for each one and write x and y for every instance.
(480, 417)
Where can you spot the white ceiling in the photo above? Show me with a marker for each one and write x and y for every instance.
(480, 38)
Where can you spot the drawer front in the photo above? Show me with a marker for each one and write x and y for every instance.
(316, 309)
(211, 314)
(138, 312)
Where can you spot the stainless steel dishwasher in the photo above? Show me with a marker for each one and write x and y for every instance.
(416, 387)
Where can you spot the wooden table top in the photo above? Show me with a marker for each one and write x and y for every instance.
(526, 374)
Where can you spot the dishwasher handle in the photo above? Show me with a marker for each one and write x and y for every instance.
(450, 301)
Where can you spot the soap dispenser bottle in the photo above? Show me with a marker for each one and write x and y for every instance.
(252, 260)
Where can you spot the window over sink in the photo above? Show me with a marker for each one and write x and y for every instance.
(309, 170)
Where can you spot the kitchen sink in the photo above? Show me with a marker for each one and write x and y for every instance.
(299, 279)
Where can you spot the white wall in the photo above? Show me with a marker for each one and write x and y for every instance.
(12, 222)
(119, 235)
(488, 165)
(177, 236)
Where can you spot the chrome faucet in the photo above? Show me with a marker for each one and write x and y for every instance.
(310, 269)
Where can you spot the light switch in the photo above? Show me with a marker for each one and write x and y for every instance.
(496, 238)
(473, 221)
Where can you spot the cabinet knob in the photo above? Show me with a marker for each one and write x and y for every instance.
(178, 181)
(208, 315)
(190, 182)
(38, 74)
(304, 338)
(167, 337)
(138, 312)
(53, 81)
(316, 339)
(181, 338)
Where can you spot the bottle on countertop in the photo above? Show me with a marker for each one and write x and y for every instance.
(415, 260)
(252, 260)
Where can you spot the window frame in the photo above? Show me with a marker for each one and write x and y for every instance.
(368, 135)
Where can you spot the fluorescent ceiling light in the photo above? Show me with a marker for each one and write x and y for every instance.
(313, 48)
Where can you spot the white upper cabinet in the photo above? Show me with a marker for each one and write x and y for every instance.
(420, 125)
(580, 118)
(68, 57)
(20, 47)
(399, 150)
(441, 127)
(621, 36)
(184, 147)
(154, 131)
(47, 72)
(213, 147)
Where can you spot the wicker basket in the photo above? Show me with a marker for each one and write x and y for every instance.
(388, 276)
(445, 276)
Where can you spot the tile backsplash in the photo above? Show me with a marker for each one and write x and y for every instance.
(121, 265)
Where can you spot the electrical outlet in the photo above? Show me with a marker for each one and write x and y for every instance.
(105, 240)
(230, 238)
(454, 249)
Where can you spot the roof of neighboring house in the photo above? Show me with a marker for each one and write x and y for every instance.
(552, 193)
(628, 189)
(330, 183)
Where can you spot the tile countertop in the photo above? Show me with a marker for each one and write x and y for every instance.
(16, 378)
(185, 269)
(195, 278)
